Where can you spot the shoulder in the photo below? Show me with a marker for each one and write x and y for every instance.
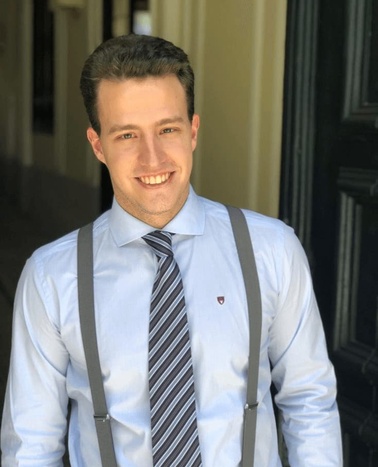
(275, 244)
(61, 253)
(270, 232)
(262, 228)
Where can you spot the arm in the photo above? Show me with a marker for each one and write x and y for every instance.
(35, 410)
(301, 371)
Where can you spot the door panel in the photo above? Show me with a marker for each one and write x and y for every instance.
(355, 332)
(342, 215)
(348, 278)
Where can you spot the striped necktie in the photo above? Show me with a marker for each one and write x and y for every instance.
(173, 412)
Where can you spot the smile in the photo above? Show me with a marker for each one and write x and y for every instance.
(155, 179)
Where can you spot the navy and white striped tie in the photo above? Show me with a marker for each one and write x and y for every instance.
(173, 412)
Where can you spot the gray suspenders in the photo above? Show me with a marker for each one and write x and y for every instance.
(88, 330)
(252, 289)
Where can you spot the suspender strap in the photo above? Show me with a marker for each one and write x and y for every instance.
(252, 288)
(88, 331)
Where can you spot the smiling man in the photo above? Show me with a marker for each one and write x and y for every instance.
(146, 141)
(171, 313)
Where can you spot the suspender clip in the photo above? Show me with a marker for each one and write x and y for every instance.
(251, 406)
(102, 418)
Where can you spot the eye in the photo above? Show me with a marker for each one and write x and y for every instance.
(127, 136)
(168, 130)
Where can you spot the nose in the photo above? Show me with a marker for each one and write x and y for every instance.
(151, 152)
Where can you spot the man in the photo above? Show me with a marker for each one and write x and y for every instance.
(138, 92)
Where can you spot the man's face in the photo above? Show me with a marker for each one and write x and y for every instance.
(147, 143)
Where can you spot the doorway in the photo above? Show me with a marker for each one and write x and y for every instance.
(329, 193)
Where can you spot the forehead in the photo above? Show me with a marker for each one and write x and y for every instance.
(168, 85)
(141, 97)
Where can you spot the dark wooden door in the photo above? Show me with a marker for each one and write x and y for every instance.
(330, 193)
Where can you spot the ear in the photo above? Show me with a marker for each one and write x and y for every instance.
(95, 142)
(195, 128)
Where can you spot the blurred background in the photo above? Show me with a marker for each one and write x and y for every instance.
(287, 92)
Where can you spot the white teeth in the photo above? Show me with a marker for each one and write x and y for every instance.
(155, 180)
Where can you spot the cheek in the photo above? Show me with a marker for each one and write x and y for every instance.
(122, 167)
(187, 164)
(117, 156)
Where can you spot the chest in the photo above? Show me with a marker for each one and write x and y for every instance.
(215, 302)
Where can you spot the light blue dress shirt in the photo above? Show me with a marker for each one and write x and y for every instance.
(48, 364)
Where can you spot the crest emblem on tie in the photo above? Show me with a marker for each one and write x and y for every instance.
(220, 300)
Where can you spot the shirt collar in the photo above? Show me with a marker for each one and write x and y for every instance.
(189, 221)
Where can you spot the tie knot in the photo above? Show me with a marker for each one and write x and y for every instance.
(161, 242)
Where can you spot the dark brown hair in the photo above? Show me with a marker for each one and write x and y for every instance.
(133, 56)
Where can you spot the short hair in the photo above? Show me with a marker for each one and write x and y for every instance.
(134, 56)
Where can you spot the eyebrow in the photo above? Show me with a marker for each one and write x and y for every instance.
(131, 126)
(116, 128)
(166, 121)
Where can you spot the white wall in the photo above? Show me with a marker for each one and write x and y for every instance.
(237, 51)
